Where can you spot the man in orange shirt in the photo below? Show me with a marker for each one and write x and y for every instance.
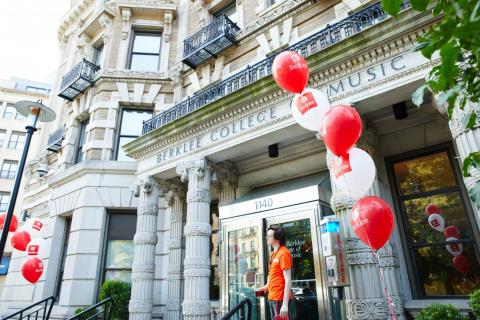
(279, 281)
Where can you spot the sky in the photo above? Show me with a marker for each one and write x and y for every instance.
(28, 38)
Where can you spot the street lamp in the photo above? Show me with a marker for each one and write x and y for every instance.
(34, 112)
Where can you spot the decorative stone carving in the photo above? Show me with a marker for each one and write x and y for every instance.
(82, 44)
(198, 196)
(145, 240)
(106, 24)
(167, 29)
(366, 309)
(198, 229)
(196, 309)
(126, 17)
(202, 10)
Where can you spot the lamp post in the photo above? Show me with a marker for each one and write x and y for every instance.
(34, 111)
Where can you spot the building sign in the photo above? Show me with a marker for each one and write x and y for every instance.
(227, 131)
(375, 73)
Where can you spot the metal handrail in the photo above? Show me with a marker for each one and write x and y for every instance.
(240, 307)
(326, 37)
(47, 304)
(86, 314)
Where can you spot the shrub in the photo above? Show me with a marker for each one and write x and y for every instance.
(437, 311)
(475, 302)
(119, 291)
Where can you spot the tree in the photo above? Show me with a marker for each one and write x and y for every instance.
(455, 81)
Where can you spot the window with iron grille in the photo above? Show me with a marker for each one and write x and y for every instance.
(9, 169)
(17, 140)
(145, 51)
(4, 197)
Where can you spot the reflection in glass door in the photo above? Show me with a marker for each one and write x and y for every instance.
(304, 280)
(244, 267)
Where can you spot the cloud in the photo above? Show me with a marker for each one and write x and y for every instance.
(28, 34)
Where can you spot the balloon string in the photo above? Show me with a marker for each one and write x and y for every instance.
(391, 305)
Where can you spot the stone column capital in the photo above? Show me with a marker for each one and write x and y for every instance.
(224, 174)
(146, 184)
(200, 167)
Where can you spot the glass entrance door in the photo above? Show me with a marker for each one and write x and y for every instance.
(245, 261)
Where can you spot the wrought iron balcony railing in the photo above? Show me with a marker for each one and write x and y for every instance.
(326, 37)
(77, 80)
(55, 140)
(208, 42)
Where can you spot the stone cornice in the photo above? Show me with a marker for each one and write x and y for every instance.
(23, 93)
(367, 48)
(132, 76)
(72, 16)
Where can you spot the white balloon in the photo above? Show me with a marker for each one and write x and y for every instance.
(355, 175)
(309, 108)
(34, 227)
(455, 249)
(37, 247)
(436, 221)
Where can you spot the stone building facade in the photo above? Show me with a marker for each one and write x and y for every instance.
(185, 222)
(12, 138)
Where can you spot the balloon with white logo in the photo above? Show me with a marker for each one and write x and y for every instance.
(309, 107)
(37, 248)
(436, 221)
(35, 227)
(355, 173)
(455, 249)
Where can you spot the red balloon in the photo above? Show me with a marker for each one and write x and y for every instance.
(451, 231)
(32, 269)
(372, 221)
(462, 264)
(432, 208)
(20, 240)
(341, 128)
(13, 222)
(290, 71)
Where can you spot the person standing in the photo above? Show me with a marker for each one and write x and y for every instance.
(279, 283)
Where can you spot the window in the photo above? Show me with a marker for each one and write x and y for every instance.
(82, 138)
(230, 11)
(439, 268)
(119, 255)
(17, 140)
(19, 116)
(145, 52)
(63, 257)
(130, 128)
(2, 137)
(9, 168)
(9, 111)
(98, 55)
(214, 250)
(4, 197)
(37, 90)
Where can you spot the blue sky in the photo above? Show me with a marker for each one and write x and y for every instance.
(28, 38)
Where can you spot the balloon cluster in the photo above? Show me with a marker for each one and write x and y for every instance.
(450, 233)
(340, 127)
(29, 239)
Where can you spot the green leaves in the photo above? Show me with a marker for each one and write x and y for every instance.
(417, 95)
(473, 160)
(420, 5)
(469, 120)
(392, 7)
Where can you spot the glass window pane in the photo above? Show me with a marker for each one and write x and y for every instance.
(144, 62)
(147, 43)
(122, 275)
(98, 56)
(121, 156)
(122, 226)
(119, 254)
(439, 277)
(424, 174)
(9, 111)
(19, 116)
(132, 121)
(451, 210)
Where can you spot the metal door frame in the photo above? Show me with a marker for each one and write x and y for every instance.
(293, 212)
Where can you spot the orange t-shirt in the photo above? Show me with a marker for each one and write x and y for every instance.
(279, 261)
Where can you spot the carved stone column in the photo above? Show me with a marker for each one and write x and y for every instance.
(175, 201)
(145, 240)
(365, 297)
(196, 303)
(466, 140)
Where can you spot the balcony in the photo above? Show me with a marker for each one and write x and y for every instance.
(315, 43)
(77, 80)
(55, 140)
(208, 42)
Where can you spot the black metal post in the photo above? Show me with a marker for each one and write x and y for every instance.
(31, 128)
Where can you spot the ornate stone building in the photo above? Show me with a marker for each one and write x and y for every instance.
(185, 89)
